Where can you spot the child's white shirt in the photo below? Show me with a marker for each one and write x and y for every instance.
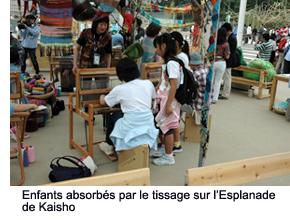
(174, 71)
(134, 96)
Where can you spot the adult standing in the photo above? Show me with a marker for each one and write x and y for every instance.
(261, 31)
(287, 60)
(139, 30)
(95, 45)
(249, 32)
(29, 32)
(150, 54)
(281, 47)
(221, 55)
(265, 48)
(233, 61)
(254, 34)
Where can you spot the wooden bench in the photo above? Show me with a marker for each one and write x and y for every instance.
(261, 84)
(139, 177)
(239, 172)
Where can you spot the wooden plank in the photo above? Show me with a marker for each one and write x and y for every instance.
(244, 81)
(251, 70)
(94, 91)
(138, 177)
(238, 172)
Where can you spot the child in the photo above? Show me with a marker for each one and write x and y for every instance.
(167, 107)
(182, 49)
(135, 96)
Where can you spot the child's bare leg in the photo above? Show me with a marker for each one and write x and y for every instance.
(168, 141)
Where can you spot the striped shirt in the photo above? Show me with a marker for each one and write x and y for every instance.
(265, 50)
(200, 74)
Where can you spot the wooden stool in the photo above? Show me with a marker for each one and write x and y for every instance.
(133, 159)
(192, 129)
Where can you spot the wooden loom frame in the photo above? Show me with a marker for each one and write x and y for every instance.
(94, 107)
(57, 62)
(18, 85)
(150, 66)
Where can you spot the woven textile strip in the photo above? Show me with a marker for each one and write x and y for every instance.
(157, 22)
(204, 132)
(182, 9)
(56, 27)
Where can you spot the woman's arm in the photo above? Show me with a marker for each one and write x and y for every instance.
(76, 56)
(108, 58)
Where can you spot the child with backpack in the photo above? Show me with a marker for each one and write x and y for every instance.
(167, 109)
(182, 49)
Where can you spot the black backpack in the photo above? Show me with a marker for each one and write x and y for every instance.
(187, 92)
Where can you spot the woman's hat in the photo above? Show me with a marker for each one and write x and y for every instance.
(134, 51)
(195, 58)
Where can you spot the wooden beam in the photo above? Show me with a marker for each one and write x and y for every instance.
(239, 172)
(138, 177)
(251, 70)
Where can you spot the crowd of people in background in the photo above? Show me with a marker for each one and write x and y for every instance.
(272, 45)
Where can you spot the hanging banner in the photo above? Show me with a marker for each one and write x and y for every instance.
(166, 25)
(204, 131)
(157, 8)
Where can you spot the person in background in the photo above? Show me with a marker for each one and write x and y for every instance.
(261, 31)
(274, 45)
(199, 72)
(245, 39)
(233, 61)
(249, 32)
(118, 39)
(15, 43)
(30, 33)
(235, 31)
(95, 45)
(254, 34)
(221, 55)
(281, 47)
(265, 49)
(287, 60)
(150, 54)
(139, 30)
(14, 60)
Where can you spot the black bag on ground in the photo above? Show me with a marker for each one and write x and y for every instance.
(54, 108)
(187, 92)
(61, 173)
(60, 104)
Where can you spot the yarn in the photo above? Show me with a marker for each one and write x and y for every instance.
(25, 158)
(31, 154)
